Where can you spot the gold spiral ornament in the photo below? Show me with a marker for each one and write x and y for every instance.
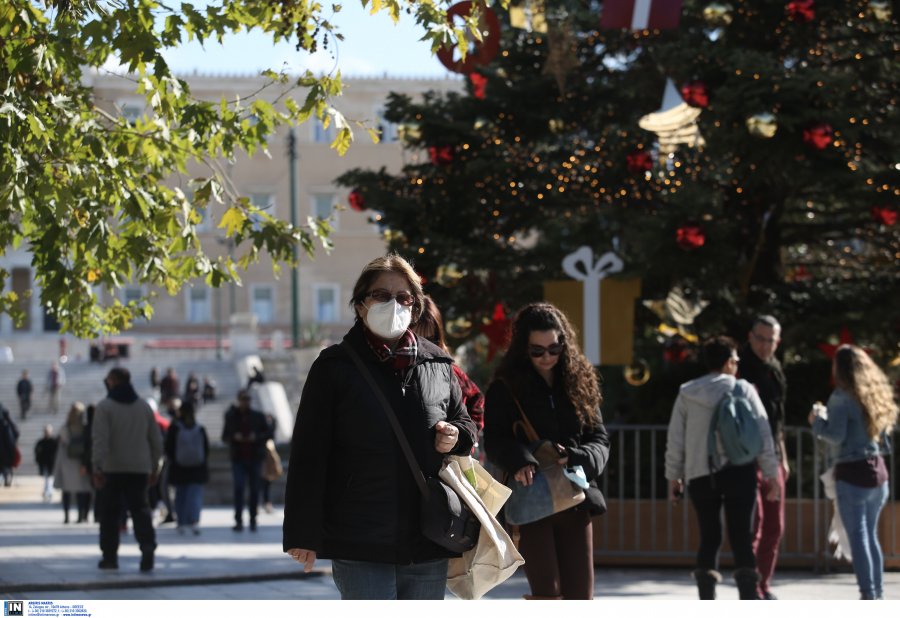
(637, 373)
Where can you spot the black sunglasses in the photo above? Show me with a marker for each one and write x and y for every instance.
(537, 351)
(383, 296)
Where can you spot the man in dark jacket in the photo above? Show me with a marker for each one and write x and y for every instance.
(24, 388)
(9, 436)
(45, 457)
(760, 367)
(246, 431)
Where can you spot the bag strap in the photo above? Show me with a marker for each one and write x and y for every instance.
(389, 412)
(530, 433)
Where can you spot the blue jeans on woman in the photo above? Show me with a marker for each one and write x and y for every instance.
(188, 502)
(859, 508)
(364, 581)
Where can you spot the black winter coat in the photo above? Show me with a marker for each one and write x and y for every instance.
(350, 493)
(258, 426)
(554, 418)
(771, 384)
(185, 475)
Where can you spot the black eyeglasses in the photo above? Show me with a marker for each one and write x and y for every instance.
(537, 351)
(383, 296)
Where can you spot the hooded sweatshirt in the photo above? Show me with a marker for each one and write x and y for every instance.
(686, 442)
(126, 438)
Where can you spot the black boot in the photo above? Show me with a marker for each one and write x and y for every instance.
(747, 580)
(706, 583)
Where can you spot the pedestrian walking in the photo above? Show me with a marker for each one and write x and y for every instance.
(246, 432)
(168, 387)
(24, 389)
(69, 474)
(209, 389)
(545, 378)
(45, 456)
(9, 450)
(192, 390)
(187, 450)
(56, 379)
(127, 453)
(856, 422)
(713, 482)
(350, 495)
(761, 368)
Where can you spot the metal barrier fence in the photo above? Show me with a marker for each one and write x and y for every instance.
(641, 525)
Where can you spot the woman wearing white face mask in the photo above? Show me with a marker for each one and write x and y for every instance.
(350, 494)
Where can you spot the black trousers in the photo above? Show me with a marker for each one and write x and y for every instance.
(559, 555)
(132, 490)
(733, 488)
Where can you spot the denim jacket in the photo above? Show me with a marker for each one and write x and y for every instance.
(845, 429)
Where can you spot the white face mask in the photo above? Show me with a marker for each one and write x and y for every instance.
(388, 320)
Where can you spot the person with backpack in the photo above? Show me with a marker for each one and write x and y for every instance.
(718, 434)
(187, 449)
(69, 475)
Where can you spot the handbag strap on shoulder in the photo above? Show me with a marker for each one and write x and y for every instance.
(389, 412)
(526, 425)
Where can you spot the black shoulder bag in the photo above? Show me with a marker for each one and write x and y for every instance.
(445, 519)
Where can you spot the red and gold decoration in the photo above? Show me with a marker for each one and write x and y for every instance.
(762, 125)
(637, 374)
(690, 237)
(480, 52)
(884, 215)
(801, 11)
(479, 85)
(356, 200)
(830, 349)
(440, 155)
(497, 331)
(676, 350)
(639, 161)
(718, 14)
(640, 14)
(601, 309)
(695, 94)
(819, 136)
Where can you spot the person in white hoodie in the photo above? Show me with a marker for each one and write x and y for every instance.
(730, 486)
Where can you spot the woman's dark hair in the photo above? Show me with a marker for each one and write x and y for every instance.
(431, 325)
(187, 414)
(577, 374)
(716, 351)
(389, 263)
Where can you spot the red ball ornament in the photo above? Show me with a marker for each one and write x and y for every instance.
(357, 201)
(819, 136)
(885, 215)
(440, 155)
(803, 11)
(480, 52)
(479, 84)
(690, 237)
(695, 94)
(639, 161)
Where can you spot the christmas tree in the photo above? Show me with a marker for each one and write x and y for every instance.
(741, 157)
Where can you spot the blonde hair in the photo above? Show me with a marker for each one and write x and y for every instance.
(856, 372)
(76, 415)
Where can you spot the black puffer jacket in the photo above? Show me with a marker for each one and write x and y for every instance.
(554, 418)
(350, 493)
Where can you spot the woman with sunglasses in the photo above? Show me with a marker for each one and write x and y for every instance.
(350, 495)
(544, 376)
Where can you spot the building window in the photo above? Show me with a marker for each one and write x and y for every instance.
(198, 310)
(265, 202)
(321, 135)
(262, 303)
(131, 111)
(323, 208)
(326, 297)
(387, 130)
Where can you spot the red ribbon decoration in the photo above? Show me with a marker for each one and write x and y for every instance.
(639, 161)
(690, 237)
(885, 215)
(440, 155)
(479, 85)
(802, 10)
(480, 52)
(695, 94)
(819, 136)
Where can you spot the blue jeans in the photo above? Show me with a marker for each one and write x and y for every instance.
(188, 502)
(245, 473)
(362, 581)
(859, 508)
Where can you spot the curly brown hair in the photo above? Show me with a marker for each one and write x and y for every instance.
(857, 373)
(577, 373)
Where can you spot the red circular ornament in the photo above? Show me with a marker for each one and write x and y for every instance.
(803, 11)
(440, 155)
(639, 161)
(357, 201)
(695, 94)
(819, 136)
(480, 52)
(690, 237)
(885, 215)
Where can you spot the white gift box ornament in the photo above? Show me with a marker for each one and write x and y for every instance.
(580, 265)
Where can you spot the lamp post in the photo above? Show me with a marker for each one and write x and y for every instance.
(295, 309)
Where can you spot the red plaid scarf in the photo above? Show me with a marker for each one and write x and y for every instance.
(401, 357)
